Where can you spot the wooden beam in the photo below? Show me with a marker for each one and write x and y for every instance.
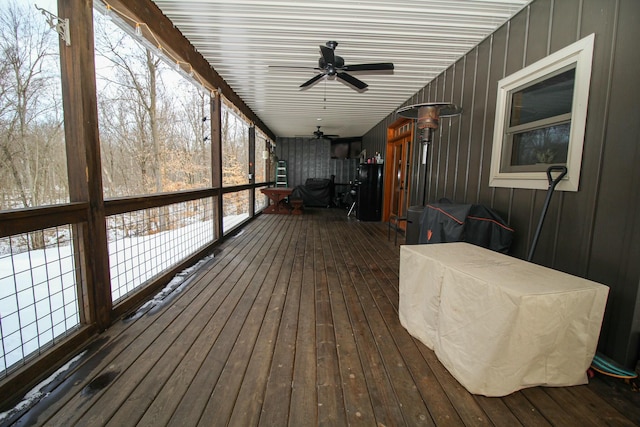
(25, 220)
(252, 170)
(83, 162)
(135, 203)
(216, 160)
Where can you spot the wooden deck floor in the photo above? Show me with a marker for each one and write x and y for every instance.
(295, 322)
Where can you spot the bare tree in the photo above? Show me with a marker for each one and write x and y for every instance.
(32, 154)
(235, 159)
(30, 125)
(152, 132)
(132, 83)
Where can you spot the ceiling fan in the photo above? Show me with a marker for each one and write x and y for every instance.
(332, 65)
(318, 134)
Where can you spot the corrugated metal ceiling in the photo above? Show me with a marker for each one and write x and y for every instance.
(244, 39)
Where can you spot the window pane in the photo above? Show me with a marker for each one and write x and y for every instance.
(33, 162)
(155, 135)
(548, 98)
(261, 162)
(547, 145)
(235, 149)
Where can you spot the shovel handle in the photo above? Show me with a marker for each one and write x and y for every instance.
(556, 168)
(552, 186)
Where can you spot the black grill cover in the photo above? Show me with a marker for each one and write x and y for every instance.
(475, 224)
(315, 192)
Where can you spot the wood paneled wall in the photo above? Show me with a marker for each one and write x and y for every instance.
(595, 232)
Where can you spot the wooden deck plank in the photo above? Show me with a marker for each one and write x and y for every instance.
(331, 408)
(295, 322)
(358, 406)
(133, 406)
(127, 340)
(592, 407)
(497, 411)
(248, 404)
(277, 394)
(303, 409)
(366, 286)
(438, 404)
(224, 395)
(165, 402)
(195, 399)
(622, 395)
(526, 413)
(385, 403)
(185, 370)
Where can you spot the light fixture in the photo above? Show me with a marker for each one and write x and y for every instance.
(428, 117)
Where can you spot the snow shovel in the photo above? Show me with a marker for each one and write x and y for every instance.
(552, 186)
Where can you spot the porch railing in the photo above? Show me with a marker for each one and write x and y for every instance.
(150, 238)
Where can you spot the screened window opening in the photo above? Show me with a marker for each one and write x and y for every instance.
(155, 132)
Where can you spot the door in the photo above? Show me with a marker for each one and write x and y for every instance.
(398, 160)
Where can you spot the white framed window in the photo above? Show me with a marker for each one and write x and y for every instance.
(541, 113)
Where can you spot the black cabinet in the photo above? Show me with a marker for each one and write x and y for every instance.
(370, 192)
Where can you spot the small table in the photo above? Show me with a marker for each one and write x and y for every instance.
(277, 195)
(499, 323)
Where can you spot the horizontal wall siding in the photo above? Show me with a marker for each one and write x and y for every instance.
(593, 233)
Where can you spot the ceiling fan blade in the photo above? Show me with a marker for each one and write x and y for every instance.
(293, 67)
(352, 81)
(369, 67)
(313, 80)
(328, 55)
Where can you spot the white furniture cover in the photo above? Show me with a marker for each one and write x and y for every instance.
(498, 323)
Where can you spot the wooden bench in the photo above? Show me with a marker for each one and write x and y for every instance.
(296, 204)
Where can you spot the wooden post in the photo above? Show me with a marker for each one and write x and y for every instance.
(252, 170)
(83, 160)
(216, 160)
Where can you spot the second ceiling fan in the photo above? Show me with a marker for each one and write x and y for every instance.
(321, 135)
(330, 65)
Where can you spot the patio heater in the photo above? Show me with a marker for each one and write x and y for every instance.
(428, 116)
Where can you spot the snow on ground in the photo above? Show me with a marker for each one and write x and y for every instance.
(39, 392)
(175, 286)
(38, 299)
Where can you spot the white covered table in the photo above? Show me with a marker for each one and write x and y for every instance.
(498, 323)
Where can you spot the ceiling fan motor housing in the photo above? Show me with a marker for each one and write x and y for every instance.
(338, 62)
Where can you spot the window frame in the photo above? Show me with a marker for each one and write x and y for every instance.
(578, 55)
